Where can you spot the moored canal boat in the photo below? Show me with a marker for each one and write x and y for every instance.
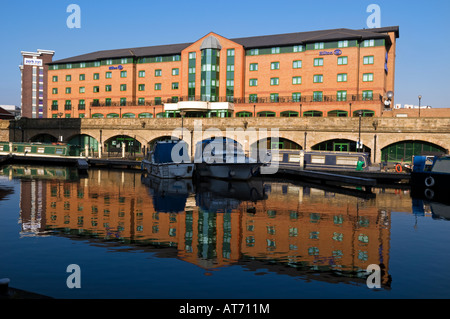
(160, 161)
(431, 175)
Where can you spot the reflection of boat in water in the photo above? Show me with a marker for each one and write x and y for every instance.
(39, 172)
(436, 209)
(217, 195)
(224, 158)
(169, 195)
(159, 161)
(430, 178)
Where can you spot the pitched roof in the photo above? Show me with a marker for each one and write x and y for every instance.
(247, 42)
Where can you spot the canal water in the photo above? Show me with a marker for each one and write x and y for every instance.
(137, 237)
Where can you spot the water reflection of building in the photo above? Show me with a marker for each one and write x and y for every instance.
(299, 227)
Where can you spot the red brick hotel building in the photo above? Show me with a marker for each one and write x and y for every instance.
(320, 73)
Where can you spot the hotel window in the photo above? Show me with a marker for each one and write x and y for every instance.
(108, 102)
(192, 55)
(109, 62)
(274, 97)
(175, 71)
(230, 52)
(274, 81)
(318, 78)
(123, 74)
(97, 63)
(275, 65)
(68, 90)
(254, 52)
(174, 85)
(368, 43)
(342, 77)
(96, 89)
(275, 50)
(298, 48)
(342, 96)
(296, 97)
(108, 88)
(367, 95)
(368, 59)
(141, 101)
(253, 98)
(368, 77)
(141, 87)
(157, 86)
(68, 78)
(297, 64)
(54, 105)
(343, 44)
(124, 60)
(318, 96)
(142, 74)
(82, 77)
(319, 45)
(253, 66)
(253, 82)
(96, 76)
(54, 91)
(191, 71)
(82, 89)
(343, 60)
(230, 68)
(123, 87)
(318, 62)
(68, 65)
(123, 101)
(158, 72)
(108, 75)
(297, 80)
(158, 59)
(81, 105)
(82, 64)
(55, 78)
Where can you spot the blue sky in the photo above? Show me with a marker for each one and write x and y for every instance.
(423, 49)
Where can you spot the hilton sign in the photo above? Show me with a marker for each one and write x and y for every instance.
(335, 52)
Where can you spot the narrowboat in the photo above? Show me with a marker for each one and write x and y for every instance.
(168, 159)
(431, 176)
(50, 150)
(224, 158)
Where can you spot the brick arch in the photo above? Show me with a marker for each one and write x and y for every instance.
(399, 139)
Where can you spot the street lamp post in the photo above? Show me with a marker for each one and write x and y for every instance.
(359, 131)
(182, 113)
(420, 98)
(60, 138)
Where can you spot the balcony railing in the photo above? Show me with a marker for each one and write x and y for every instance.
(249, 100)
(67, 107)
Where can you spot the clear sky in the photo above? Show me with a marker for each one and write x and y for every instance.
(423, 50)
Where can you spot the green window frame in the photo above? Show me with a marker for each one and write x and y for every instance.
(253, 82)
(313, 114)
(96, 89)
(175, 85)
(123, 101)
(369, 43)
(55, 78)
(296, 80)
(54, 91)
(317, 96)
(123, 74)
(141, 101)
(108, 102)
(253, 67)
(289, 114)
(364, 113)
(82, 89)
(274, 81)
(108, 75)
(343, 44)
(141, 87)
(275, 65)
(230, 52)
(158, 72)
(68, 78)
(369, 59)
(96, 76)
(274, 97)
(141, 74)
(342, 60)
(297, 64)
(319, 46)
(175, 71)
(108, 88)
(297, 48)
(318, 62)
(368, 77)
(342, 77)
(318, 78)
(157, 86)
(68, 90)
(82, 77)
(341, 96)
(254, 51)
(275, 50)
(367, 95)
(253, 98)
(296, 97)
(123, 87)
